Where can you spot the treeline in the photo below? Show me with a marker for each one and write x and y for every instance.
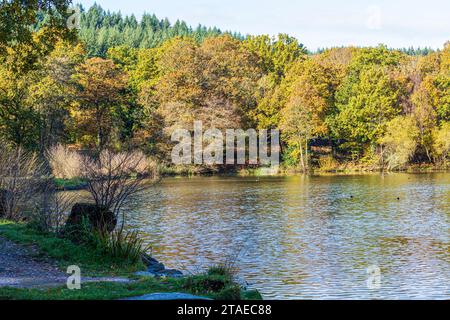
(411, 51)
(101, 30)
(373, 107)
(417, 51)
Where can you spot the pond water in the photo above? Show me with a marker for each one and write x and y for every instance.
(308, 237)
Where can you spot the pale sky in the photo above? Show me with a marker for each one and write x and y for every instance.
(318, 23)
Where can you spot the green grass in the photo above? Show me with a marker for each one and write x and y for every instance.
(113, 291)
(65, 253)
(70, 184)
(88, 291)
(217, 283)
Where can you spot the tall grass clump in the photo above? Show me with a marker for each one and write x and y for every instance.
(65, 163)
(23, 178)
(122, 246)
(218, 281)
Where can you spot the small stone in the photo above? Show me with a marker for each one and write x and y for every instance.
(171, 273)
(145, 274)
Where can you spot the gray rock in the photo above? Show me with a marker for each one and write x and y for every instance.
(168, 296)
(152, 264)
(157, 269)
(145, 274)
(172, 273)
(100, 218)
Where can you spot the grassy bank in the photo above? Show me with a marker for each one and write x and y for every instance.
(65, 252)
(70, 184)
(139, 287)
(216, 283)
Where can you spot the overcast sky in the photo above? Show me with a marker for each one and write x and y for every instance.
(319, 23)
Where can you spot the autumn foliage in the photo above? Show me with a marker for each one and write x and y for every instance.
(360, 105)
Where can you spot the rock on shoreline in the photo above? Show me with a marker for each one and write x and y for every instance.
(157, 269)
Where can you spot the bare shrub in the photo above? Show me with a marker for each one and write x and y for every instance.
(22, 176)
(115, 178)
(65, 164)
(135, 162)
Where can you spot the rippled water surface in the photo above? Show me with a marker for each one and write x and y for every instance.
(308, 237)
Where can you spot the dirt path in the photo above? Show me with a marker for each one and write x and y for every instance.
(20, 268)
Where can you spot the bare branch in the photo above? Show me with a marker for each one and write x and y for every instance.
(115, 178)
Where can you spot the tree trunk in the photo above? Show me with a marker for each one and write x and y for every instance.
(301, 158)
(306, 154)
(100, 132)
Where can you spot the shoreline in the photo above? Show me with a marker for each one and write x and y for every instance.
(349, 168)
(75, 184)
(100, 275)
